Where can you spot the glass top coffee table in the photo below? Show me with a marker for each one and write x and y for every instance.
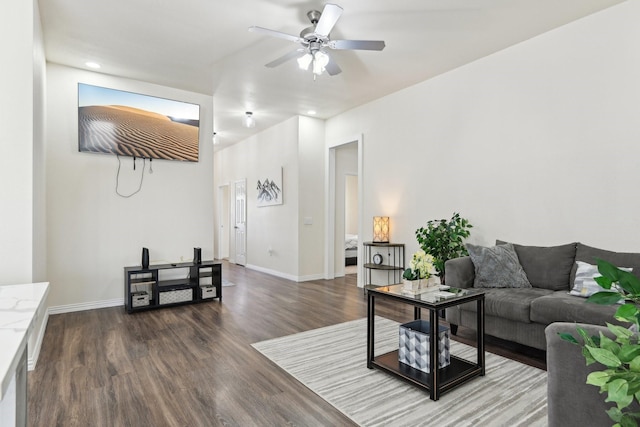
(439, 380)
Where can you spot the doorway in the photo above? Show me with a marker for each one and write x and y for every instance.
(351, 240)
(240, 221)
(335, 231)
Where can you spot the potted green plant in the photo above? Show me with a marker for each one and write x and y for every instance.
(620, 379)
(444, 239)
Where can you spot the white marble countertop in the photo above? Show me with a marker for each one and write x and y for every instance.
(18, 306)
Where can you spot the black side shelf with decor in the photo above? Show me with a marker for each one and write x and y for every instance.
(385, 257)
(166, 285)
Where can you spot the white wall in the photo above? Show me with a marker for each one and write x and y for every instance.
(16, 141)
(92, 232)
(311, 199)
(536, 144)
(39, 237)
(267, 227)
(39, 230)
(297, 145)
(22, 142)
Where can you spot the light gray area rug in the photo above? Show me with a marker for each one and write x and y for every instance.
(331, 361)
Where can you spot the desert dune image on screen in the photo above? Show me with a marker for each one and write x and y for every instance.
(130, 124)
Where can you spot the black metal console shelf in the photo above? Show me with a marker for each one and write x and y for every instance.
(164, 285)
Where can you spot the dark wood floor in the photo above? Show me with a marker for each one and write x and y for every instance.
(193, 365)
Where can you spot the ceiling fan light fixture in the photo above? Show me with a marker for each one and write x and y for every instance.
(304, 61)
(320, 61)
(248, 120)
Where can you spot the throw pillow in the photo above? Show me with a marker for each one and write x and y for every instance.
(585, 284)
(497, 267)
(547, 267)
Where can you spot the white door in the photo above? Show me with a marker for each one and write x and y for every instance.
(240, 226)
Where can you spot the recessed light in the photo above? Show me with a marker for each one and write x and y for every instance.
(92, 64)
(311, 112)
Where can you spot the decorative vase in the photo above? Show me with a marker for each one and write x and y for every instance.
(414, 285)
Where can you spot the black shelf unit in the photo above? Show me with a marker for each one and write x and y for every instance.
(145, 288)
(392, 262)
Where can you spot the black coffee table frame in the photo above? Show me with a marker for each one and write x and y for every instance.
(440, 380)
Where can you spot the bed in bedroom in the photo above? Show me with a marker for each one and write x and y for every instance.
(350, 249)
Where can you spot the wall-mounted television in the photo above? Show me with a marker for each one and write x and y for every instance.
(130, 124)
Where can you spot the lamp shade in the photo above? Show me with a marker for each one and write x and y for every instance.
(304, 61)
(381, 229)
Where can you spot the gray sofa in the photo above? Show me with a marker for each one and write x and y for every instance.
(522, 314)
(570, 400)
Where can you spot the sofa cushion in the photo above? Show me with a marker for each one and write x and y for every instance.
(497, 267)
(513, 304)
(590, 255)
(562, 307)
(547, 267)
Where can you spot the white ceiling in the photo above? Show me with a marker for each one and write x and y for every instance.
(204, 46)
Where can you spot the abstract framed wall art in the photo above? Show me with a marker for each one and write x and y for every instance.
(269, 188)
(113, 121)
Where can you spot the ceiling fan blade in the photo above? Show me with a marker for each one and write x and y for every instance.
(328, 19)
(357, 44)
(332, 68)
(284, 58)
(273, 33)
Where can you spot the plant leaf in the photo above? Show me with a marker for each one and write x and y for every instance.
(568, 337)
(629, 282)
(606, 357)
(627, 313)
(634, 383)
(608, 344)
(605, 298)
(608, 270)
(598, 378)
(588, 341)
(617, 392)
(634, 365)
(620, 331)
(627, 421)
(628, 352)
(587, 356)
(604, 282)
(615, 414)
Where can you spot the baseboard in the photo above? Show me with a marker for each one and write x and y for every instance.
(85, 306)
(311, 277)
(285, 275)
(272, 272)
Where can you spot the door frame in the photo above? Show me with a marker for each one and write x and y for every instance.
(224, 219)
(330, 203)
(246, 218)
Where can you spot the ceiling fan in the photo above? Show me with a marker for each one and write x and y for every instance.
(315, 40)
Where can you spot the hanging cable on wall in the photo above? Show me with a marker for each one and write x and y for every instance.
(134, 168)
